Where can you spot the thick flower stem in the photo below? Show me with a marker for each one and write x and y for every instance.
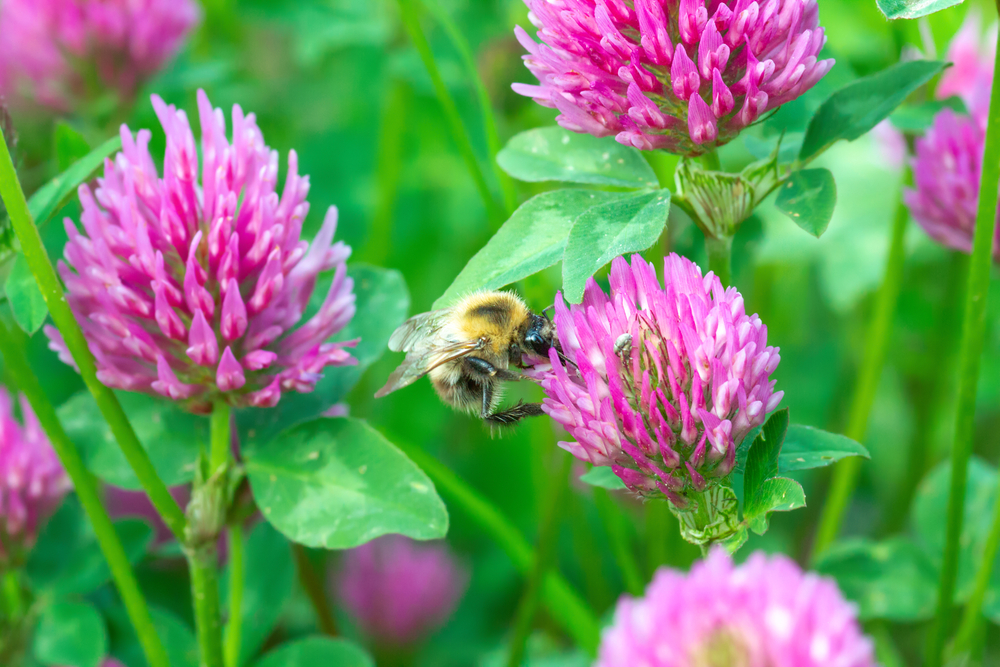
(207, 511)
(563, 603)
(237, 580)
(972, 616)
(410, 14)
(548, 533)
(720, 257)
(845, 473)
(970, 353)
(51, 288)
(86, 490)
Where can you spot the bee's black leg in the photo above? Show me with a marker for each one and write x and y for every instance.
(487, 401)
(514, 414)
(483, 367)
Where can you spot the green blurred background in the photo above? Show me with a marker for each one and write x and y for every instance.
(340, 82)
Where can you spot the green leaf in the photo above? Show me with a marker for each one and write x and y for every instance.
(808, 198)
(313, 651)
(604, 232)
(806, 447)
(893, 579)
(531, 240)
(67, 559)
(70, 633)
(763, 492)
(762, 456)
(172, 436)
(178, 639)
(26, 300)
(555, 154)
(775, 494)
(270, 577)
(338, 483)
(604, 477)
(915, 118)
(862, 104)
(929, 520)
(50, 197)
(71, 146)
(382, 304)
(913, 9)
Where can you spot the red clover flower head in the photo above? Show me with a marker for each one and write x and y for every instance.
(662, 381)
(948, 164)
(398, 590)
(191, 284)
(766, 611)
(683, 75)
(32, 480)
(48, 46)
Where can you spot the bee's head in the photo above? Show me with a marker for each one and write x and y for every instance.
(540, 336)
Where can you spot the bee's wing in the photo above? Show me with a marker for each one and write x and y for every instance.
(419, 362)
(416, 330)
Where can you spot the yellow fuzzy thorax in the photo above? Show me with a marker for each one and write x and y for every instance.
(495, 316)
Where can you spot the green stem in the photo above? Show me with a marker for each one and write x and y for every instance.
(973, 336)
(411, 19)
(48, 282)
(86, 490)
(388, 166)
(485, 105)
(657, 536)
(845, 473)
(220, 437)
(971, 617)
(563, 603)
(621, 545)
(312, 584)
(237, 580)
(548, 534)
(13, 594)
(720, 257)
(205, 596)
(711, 160)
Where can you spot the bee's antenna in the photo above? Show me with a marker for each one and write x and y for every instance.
(565, 359)
(545, 312)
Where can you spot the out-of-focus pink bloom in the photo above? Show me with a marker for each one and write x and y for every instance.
(947, 170)
(685, 76)
(947, 167)
(892, 142)
(663, 381)
(398, 590)
(125, 503)
(764, 613)
(32, 480)
(50, 49)
(191, 285)
(971, 74)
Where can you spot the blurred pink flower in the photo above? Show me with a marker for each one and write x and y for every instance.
(398, 590)
(663, 382)
(32, 480)
(193, 290)
(122, 503)
(764, 612)
(947, 167)
(51, 49)
(684, 76)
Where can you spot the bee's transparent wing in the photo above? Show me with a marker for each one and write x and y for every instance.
(418, 331)
(419, 362)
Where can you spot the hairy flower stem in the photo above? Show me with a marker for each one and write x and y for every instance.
(845, 473)
(720, 257)
(970, 353)
(563, 603)
(548, 534)
(86, 490)
(206, 513)
(51, 288)
(237, 580)
(410, 13)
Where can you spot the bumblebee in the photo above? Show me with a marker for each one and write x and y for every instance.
(468, 350)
